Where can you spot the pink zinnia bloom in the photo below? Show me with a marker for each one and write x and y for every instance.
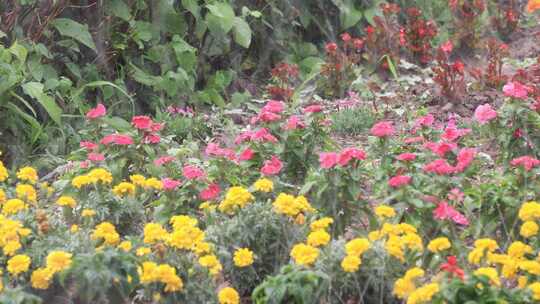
(528, 162)
(274, 106)
(349, 153)
(456, 195)
(382, 129)
(96, 157)
(263, 135)
(293, 123)
(413, 140)
(272, 166)
(118, 139)
(97, 112)
(440, 148)
(406, 157)
(267, 116)
(447, 47)
(84, 164)
(142, 122)
(88, 145)
(156, 127)
(399, 180)
(192, 172)
(152, 139)
(328, 160)
(484, 113)
(247, 154)
(465, 158)
(163, 160)
(170, 184)
(313, 109)
(445, 211)
(516, 90)
(440, 167)
(214, 150)
(424, 121)
(211, 192)
(451, 133)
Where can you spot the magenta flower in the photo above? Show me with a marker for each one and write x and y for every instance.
(247, 154)
(383, 129)
(118, 139)
(445, 211)
(170, 184)
(142, 122)
(163, 160)
(193, 172)
(97, 112)
(527, 162)
(95, 157)
(348, 154)
(211, 192)
(328, 160)
(484, 113)
(516, 90)
(399, 180)
(406, 157)
(272, 166)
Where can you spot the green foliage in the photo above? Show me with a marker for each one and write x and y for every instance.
(352, 121)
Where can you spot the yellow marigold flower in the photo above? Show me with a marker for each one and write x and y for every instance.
(147, 273)
(27, 192)
(318, 238)
(510, 268)
(28, 174)
(4, 174)
(123, 189)
(107, 232)
(66, 201)
(243, 257)
(81, 181)
(439, 244)
(41, 278)
(166, 274)
(100, 175)
(384, 211)
(402, 288)
(303, 254)
(351, 263)
(291, 206)
(375, 235)
(11, 247)
(88, 213)
(74, 228)
(406, 228)
(202, 248)
(489, 272)
(321, 223)
(138, 180)
(423, 294)
(153, 183)
(154, 232)
(394, 248)
(532, 267)
(522, 282)
(18, 264)
(357, 247)
(532, 6)
(391, 229)
(58, 261)
(207, 206)
(211, 262)
(413, 241)
(487, 244)
(142, 251)
(535, 288)
(13, 206)
(228, 295)
(519, 249)
(182, 221)
(413, 273)
(236, 197)
(300, 219)
(185, 237)
(264, 185)
(529, 211)
(125, 245)
(3, 196)
(529, 229)
(475, 256)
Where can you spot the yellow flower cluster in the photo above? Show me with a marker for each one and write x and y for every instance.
(264, 185)
(228, 295)
(384, 211)
(141, 181)
(423, 294)
(211, 262)
(66, 201)
(401, 237)
(235, 198)
(303, 254)
(3, 196)
(26, 192)
(355, 249)
(57, 261)
(13, 206)
(123, 189)
(163, 273)
(481, 246)
(489, 272)
(18, 264)
(243, 257)
(290, 205)
(529, 213)
(4, 174)
(405, 285)
(439, 244)
(535, 288)
(154, 232)
(107, 232)
(11, 232)
(93, 177)
(27, 174)
(321, 223)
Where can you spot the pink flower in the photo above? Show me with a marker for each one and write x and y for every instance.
(96, 157)
(118, 139)
(156, 127)
(163, 160)
(247, 154)
(170, 184)
(440, 167)
(211, 192)
(464, 158)
(88, 145)
(313, 109)
(142, 122)
(484, 113)
(413, 140)
(272, 166)
(445, 211)
(328, 159)
(349, 153)
(192, 172)
(293, 123)
(266, 116)
(528, 162)
(382, 129)
(85, 164)
(152, 139)
(274, 106)
(214, 150)
(264, 135)
(516, 90)
(452, 133)
(424, 121)
(447, 47)
(399, 180)
(456, 195)
(97, 112)
(406, 157)
(440, 148)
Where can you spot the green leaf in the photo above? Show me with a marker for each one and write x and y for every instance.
(35, 90)
(242, 32)
(220, 18)
(19, 51)
(119, 9)
(75, 30)
(192, 7)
